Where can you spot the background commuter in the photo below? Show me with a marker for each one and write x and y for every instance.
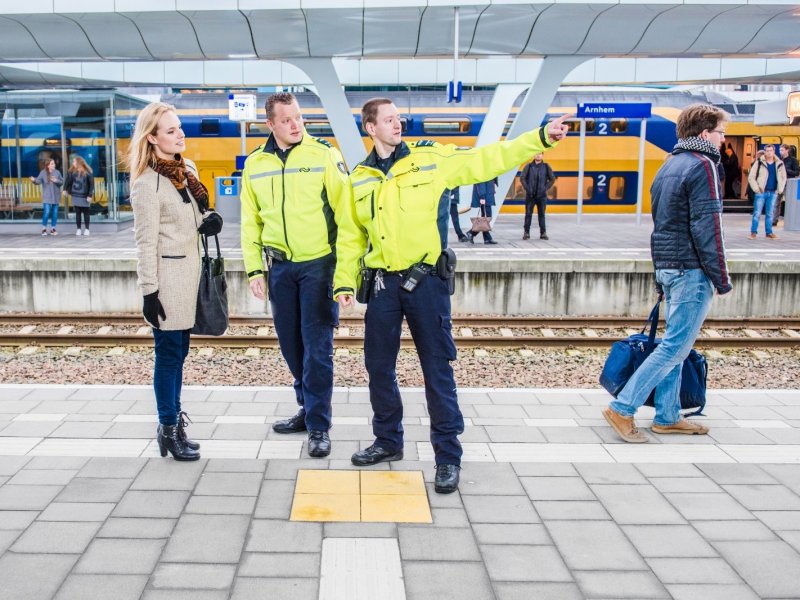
(50, 179)
(292, 187)
(730, 168)
(483, 200)
(166, 195)
(787, 153)
(80, 185)
(689, 259)
(537, 177)
(454, 196)
(768, 179)
(389, 236)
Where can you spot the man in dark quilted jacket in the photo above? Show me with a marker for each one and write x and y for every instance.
(688, 252)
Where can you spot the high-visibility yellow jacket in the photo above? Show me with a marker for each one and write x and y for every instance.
(292, 206)
(391, 220)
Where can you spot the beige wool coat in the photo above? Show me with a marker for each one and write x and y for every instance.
(168, 247)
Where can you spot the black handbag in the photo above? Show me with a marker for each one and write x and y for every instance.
(212, 299)
(628, 355)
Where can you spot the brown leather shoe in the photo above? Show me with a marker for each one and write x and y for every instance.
(682, 426)
(625, 427)
(753, 236)
(772, 236)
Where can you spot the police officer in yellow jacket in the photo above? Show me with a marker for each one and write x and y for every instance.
(389, 245)
(292, 191)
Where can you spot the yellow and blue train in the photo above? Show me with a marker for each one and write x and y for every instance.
(612, 145)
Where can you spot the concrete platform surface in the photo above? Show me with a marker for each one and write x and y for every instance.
(551, 503)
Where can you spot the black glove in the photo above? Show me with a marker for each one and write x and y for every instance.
(152, 309)
(211, 225)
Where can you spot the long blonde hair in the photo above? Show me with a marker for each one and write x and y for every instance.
(141, 152)
(82, 165)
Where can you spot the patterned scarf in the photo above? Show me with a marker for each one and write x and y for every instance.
(696, 144)
(181, 177)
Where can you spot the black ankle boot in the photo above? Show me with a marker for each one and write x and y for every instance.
(169, 440)
(182, 425)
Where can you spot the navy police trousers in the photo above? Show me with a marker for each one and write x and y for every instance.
(304, 313)
(427, 310)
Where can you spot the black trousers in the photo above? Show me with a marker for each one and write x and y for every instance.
(82, 210)
(454, 219)
(541, 206)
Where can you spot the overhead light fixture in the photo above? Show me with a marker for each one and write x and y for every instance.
(241, 55)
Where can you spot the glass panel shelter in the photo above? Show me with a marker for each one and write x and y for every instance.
(36, 126)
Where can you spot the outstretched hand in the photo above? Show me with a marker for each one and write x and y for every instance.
(557, 129)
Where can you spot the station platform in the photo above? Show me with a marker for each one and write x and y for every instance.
(601, 267)
(551, 503)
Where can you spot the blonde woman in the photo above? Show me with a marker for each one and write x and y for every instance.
(80, 185)
(50, 179)
(168, 204)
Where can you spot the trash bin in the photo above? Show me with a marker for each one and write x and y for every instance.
(791, 215)
(227, 201)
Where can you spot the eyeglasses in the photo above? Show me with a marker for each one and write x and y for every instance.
(719, 131)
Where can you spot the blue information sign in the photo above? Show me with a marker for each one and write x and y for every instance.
(614, 110)
(228, 186)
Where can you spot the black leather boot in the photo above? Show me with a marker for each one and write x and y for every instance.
(182, 425)
(446, 481)
(293, 424)
(319, 444)
(375, 454)
(169, 441)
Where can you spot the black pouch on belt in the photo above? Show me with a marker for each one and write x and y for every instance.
(365, 282)
(446, 269)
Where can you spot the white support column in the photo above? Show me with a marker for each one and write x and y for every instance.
(331, 93)
(545, 84)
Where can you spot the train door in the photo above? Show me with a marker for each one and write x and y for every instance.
(748, 155)
(209, 170)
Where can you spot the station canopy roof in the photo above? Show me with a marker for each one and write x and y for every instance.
(167, 30)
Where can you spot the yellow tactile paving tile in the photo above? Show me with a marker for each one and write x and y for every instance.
(327, 482)
(393, 482)
(326, 507)
(375, 496)
(395, 508)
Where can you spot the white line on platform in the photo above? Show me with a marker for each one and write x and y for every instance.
(361, 569)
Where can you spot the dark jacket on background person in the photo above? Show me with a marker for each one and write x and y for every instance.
(536, 179)
(80, 187)
(483, 190)
(792, 168)
(51, 190)
(687, 217)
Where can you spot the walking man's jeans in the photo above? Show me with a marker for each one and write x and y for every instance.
(688, 296)
(49, 212)
(541, 205)
(765, 201)
(171, 347)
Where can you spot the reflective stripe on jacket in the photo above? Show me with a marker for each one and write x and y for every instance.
(395, 215)
(292, 206)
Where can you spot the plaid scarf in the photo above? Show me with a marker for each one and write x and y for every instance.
(696, 144)
(181, 177)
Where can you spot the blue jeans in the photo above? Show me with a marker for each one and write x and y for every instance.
(172, 348)
(688, 296)
(766, 201)
(427, 310)
(304, 313)
(49, 212)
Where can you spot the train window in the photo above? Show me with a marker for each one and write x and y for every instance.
(619, 125)
(439, 125)
(566, 188)
(209, 127)
(616, 188)
(257, 129)
(318, 127)
(404, 123)
(507, 126)
(575, 125)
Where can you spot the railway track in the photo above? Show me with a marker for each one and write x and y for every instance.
(109, 330)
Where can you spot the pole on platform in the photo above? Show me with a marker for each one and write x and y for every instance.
(581, 160)
(243, 135)
(640, 178)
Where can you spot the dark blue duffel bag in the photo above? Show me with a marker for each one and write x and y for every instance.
(627, 355)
